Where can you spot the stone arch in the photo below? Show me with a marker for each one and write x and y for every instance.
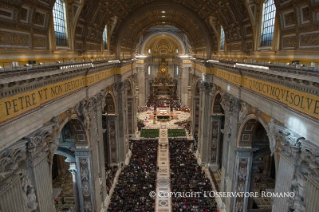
(150, 7)
(145, 43)
(218, 123)
(216, 106)
(253, 119)
(77, 128)
(197, 87)
(110, 104)
(253, 135)
(66, 153)
(129, 88)
(70, 131)
(247, 128)
(58, 123)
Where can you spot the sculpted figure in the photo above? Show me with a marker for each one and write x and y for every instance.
(272, 136)
(243, 112)
(31, 199)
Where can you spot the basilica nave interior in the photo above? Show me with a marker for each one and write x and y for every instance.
(118, 105)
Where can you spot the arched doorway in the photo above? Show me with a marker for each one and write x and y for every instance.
(263, 174)
(255, 160)
(218, 122)
(109, 139)
(109, 128)
(64, 173)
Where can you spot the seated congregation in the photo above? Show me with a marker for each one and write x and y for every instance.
(137, 179)
(187, 176)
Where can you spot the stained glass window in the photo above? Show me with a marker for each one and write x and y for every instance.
(222, 39)
(59, 23)
(149, 70)
(269, 23)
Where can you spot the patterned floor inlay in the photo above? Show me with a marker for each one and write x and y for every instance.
(163, 182)
(163, 203)
(65, 201)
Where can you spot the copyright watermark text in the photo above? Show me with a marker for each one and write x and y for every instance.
(211, 194)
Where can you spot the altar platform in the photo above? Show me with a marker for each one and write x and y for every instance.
(164, 116)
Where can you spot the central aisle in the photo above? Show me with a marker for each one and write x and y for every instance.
(163, 202)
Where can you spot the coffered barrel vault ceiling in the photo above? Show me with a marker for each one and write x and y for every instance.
(190, 16)
(25, 24)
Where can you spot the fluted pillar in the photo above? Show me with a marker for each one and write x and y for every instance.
(206, 92)
(231, 108)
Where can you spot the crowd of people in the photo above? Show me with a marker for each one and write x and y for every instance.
(137, 179)
(141, 109)
(188, 176)
(110, 174)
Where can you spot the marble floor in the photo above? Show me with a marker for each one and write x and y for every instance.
(145, 116)
(65, 201)
(266, 183)
(163, 204)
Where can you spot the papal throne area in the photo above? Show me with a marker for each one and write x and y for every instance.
(159, 105)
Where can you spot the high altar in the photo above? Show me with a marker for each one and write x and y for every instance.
(163, 96)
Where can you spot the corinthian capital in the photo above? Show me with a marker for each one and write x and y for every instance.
(290, 142)
(208, 88)
(230, 103)
(118, 88)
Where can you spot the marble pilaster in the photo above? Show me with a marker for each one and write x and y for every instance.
(74, 171)
(231, 108)
(206, 92)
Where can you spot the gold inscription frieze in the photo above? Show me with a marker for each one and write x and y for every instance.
(16, 105)
(296, 100)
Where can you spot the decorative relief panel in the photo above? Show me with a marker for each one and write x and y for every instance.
(289, 19)
(24, 14)
(110, 105)
(112, 137)
(289, 42)
(242, 165)
(196, 119)
(247, 133)
(78, 132)
(40, 19)
(79, 30)
(78, 45)
(234, 47)
(7, 14)
(248, 30)
(12, 38)
(93, 46)
(46, 2)
(39, 42)
(304, 15)
(309, 40)
(85, 183)
(215, 130)
(316, 17)
(249, 45)
(130, 117)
